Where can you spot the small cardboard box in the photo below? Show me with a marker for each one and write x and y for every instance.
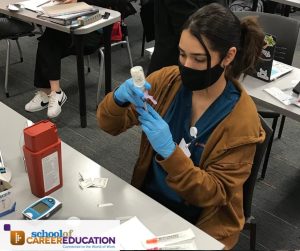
(7, 201)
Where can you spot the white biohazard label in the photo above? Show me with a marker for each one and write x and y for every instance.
(50, 167)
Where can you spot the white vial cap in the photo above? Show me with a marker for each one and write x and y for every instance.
(138, 76)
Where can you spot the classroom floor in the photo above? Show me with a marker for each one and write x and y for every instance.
(276, 203)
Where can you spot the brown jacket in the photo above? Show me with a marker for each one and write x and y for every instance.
(217, 186)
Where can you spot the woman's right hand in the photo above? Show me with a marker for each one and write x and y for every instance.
(127, 92)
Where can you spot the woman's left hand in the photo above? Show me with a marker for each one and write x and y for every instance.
(157, 131)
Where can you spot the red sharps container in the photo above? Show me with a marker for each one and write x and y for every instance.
(42, 152)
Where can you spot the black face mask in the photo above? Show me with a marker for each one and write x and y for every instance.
(199, 79)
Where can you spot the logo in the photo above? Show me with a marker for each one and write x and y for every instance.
(44, 104)
(263, 74)
(16, 237)
(62, 100)
(57, 235)
(266, 53)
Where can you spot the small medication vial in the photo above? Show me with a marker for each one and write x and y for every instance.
(138, 77)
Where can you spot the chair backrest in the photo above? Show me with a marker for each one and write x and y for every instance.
(285, 30)
(249, 185)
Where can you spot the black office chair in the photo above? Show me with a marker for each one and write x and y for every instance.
(249, 185)
(284, 52)
(13, 29)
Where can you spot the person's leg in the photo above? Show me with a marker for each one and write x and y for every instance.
(53, 45)
(57, 97)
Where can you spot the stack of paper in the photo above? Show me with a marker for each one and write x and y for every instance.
(36, 5)
(66, 9)
(284, 98)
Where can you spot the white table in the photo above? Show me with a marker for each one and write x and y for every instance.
(106, 24)
(255, 89)
(127, 200)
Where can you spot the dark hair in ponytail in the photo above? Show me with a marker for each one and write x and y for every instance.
(224, 30)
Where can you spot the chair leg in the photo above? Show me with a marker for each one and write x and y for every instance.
(100, 76)
(20, 50)
(129, 52)
(266, 160)
(143, 44)
(88, 59)
(7, 67)
(252, 235)
(281, 126)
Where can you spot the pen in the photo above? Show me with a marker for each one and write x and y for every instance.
(44, 3)
(171, 238)
(162, 238)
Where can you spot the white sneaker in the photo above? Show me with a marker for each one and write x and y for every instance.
(39, 102)
(56, 100)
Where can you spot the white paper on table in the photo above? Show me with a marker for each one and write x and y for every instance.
(131, 234)
(36, 5)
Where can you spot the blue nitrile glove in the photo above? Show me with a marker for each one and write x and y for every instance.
(157, 131)
(127, 92)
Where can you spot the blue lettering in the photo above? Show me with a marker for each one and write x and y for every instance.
(44, 233)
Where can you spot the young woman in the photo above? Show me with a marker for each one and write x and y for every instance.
(198, 176)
